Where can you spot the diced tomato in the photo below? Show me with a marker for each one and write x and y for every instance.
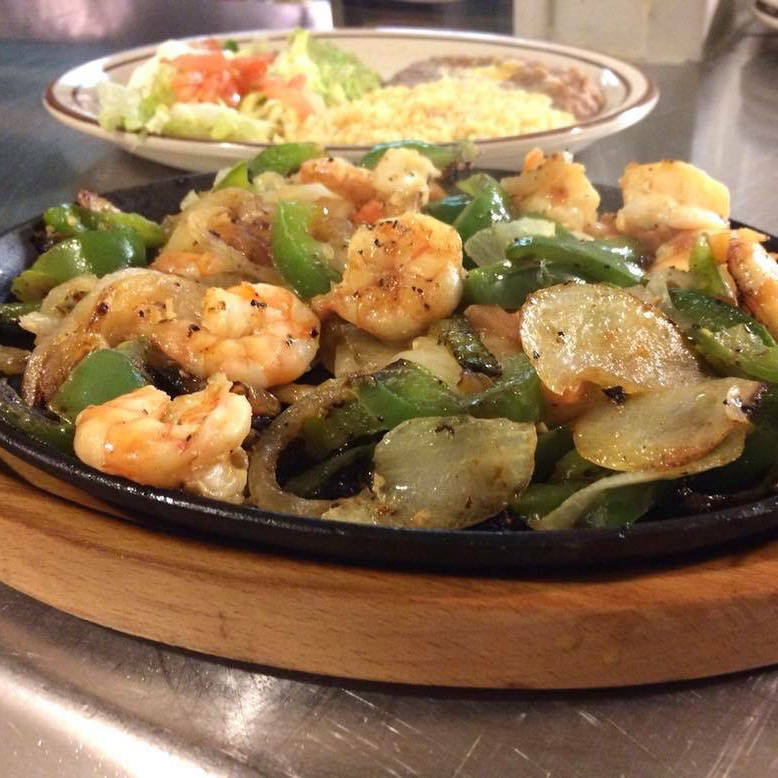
(212, 78)
(250, 72)
(289, 93)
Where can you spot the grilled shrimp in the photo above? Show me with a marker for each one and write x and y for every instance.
(212, 269)
(120, 306)
(193, 441)
(231, 225)
(399, 182)
(756, 275)
(401, 275)
(662, 198)
(258, 334)
(555, 187)
(402, 180)
(341, 177)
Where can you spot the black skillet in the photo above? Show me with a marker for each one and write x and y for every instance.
(473, 550)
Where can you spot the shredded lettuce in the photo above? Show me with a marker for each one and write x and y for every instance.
(330, 72)
(198, 120)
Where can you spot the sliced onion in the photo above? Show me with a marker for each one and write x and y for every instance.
(488, 245)
(435, 357)
(264, 489)
(355, 351)
(664, 429)
(444, 473)
(597, 333)
(575, 506)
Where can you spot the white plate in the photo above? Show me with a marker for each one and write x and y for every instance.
(764, 14)
(629, 94)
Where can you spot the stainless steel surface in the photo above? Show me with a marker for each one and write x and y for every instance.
(79, 700)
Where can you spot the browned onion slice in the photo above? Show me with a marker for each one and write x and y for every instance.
(593, 332)
(666, 428)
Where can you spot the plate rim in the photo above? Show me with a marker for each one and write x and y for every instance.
(642, 93)
(299, 536)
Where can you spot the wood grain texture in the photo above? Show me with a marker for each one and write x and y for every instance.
(667, 624)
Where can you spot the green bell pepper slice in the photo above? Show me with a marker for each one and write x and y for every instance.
(74, 219)
(448, 208)
(551, 447)
(616, 508)
(621, 507)
(730, 340)
(705, 269)
(468, 350)
(405, 390)
(515, 395)
(508, 285)
(94, 252)
(296, 254)
(400, 391)
(573, 467)
(490, 204)
(442, 156)
(283, 158)
(97, 378)
(57, 433)
(538, 499)
(612, 262)
(10, 313)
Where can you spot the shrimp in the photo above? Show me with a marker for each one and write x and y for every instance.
(756, 275)
(193, 441)
(665, 197)
(231, 225)
(341, 177)
(401, 275)
(211, 268)
(120, 306)
(555, 187)
(402, 180)
(399, 182)
(258, 334)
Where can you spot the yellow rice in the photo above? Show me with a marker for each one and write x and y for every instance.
(453, 108)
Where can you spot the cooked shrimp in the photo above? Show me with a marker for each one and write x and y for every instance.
(121, 306)
(341, 177)
(756, 275)
(232, 225)
(258, 334)
(665, 197)
(212, 269)
(401, 275)
(191, 442)
(399, 182)
(57, 304)
(402, 180)
(555, 187)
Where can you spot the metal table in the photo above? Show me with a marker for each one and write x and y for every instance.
(78, 700)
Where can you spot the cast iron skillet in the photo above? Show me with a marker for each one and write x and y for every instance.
(474, 550)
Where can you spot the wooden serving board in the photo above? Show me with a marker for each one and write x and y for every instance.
(633, 627)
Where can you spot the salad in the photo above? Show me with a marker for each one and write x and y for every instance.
(410, 343)
(226, 91)
(311, 90)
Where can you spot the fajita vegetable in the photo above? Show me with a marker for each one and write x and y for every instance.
(359, 343)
